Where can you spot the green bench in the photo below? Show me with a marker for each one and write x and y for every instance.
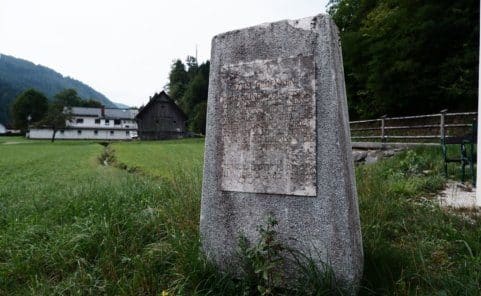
(467, 155)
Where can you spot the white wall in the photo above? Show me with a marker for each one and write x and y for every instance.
(90, 122)
(73, 134)
(3, 130)
(478, 177)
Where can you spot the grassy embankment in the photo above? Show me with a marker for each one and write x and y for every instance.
(70, 225)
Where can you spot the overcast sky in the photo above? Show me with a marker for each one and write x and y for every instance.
(124, 48)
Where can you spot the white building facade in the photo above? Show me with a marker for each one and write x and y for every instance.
(94, 124)
(3, 129)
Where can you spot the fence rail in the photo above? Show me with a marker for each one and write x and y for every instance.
(429, 127)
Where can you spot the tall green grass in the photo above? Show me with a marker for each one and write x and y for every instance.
(411, 245)
(161, 159)
(69, 225)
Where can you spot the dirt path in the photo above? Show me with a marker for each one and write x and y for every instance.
(456, 195)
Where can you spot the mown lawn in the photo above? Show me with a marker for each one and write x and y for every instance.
(70, 225)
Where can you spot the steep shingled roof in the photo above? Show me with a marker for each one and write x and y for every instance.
(85, 111)
(162, 97)
(121, 113)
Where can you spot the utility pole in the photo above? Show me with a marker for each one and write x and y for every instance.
(478, 174)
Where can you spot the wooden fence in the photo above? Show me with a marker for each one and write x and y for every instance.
(413, 129)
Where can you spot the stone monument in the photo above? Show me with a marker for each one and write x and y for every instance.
(278, 143)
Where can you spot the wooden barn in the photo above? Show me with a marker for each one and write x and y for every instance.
(161, 119)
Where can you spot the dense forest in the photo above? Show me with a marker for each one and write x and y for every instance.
(188, 85)
(17, 75)
(409, 57)
(401, 57)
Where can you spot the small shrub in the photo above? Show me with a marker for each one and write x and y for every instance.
(263, 266)
(412, 163)
(262, 262)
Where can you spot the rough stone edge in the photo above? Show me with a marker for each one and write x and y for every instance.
(213, 129)
(344, 144)
(302, 23)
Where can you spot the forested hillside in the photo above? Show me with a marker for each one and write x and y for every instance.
(17, 75)
(408, 57)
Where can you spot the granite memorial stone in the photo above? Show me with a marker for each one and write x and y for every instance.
(278, 143)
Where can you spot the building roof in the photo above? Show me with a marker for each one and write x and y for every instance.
(109, 113)
(160, 97)
(121, 113)
(86, 111)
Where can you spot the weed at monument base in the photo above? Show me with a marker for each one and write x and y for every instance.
(263, 264)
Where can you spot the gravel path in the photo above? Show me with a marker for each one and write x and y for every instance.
(457, 195)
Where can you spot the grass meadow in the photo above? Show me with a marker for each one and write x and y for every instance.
(69, 224)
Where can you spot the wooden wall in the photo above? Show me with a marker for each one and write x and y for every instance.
(161, 120)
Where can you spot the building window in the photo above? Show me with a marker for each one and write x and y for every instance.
(107, 122)
(97, 121)
(127, 126)
(61, 132)
(111, 132)
(79, 120)
(79, 132)
(175, 121)
(116, 121)
(127, 133)
(96, 132)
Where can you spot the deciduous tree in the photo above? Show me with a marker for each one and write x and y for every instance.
(407, 57)
(30, 104)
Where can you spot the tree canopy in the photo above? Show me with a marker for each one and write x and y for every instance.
(188, 87)
(30, 104)
(408, 57)
(401, 57)
(69, 97)
(59, 110)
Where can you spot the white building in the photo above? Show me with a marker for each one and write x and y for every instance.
(3, 129)
(95, 124)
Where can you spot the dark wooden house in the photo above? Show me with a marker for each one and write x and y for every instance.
(161, 119)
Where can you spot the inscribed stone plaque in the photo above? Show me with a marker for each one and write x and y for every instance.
(278, 145)
(268, 122)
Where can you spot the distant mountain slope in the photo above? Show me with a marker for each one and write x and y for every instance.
(121, 106)
(17, 75)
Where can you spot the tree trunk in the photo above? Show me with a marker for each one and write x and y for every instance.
(53, 135)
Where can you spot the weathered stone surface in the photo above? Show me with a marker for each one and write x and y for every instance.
(389, 153)
(373, 156)
(359, 155)
(268, 126)
(278, 144)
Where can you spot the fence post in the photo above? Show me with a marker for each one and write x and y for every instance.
(441, 124)
(383, 131)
